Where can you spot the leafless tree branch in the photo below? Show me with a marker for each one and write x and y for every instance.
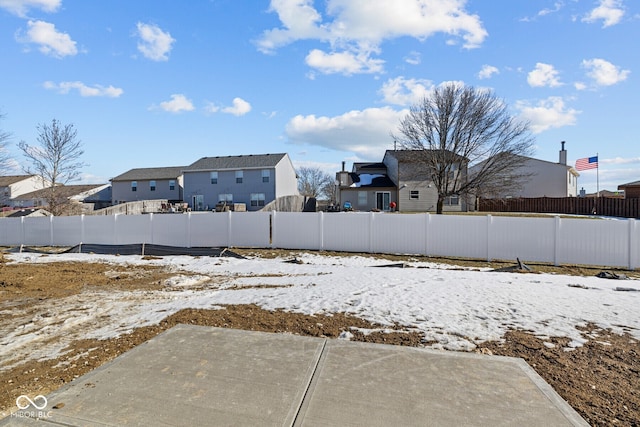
(56, 160)
(461, 126)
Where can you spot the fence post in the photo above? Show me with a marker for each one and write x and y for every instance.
(489, 224)
(273, 230)
(51, 230)
(321, 230)
(22, 232)
(633, 244)
(189, 229)
(229, 227)
(371, 226)
(150, 229)
(82, 228)
(115, 229)
(556, 241)
(427, 223)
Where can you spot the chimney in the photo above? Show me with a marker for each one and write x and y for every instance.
(343, 163)
(563, 154)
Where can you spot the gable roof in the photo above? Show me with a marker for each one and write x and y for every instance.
(629, 184)
(66, 191)
(29, 212)
(145, 174)
(410, 156)
(368, 180)
(249, 161)
(5, 181)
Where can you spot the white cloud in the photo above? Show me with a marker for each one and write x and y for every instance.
(557, 6)
(609, 11)
(154, 43)
(604, 73)
(487, 72)
(177, 104)
(343, 62)
(414, 58)
(580, 85)
(543, 75)
(547, 114)
(356, 28)
(621, 161)
(84, 90)
(51, 42)
(239, 107)
(366, 132)
(21, 7)
(405, 92)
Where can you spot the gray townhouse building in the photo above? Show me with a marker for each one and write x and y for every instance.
(148, 184)
(253, 179)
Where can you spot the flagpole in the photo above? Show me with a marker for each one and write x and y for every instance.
(598, 174)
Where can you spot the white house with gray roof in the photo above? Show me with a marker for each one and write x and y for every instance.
(253, 179)
(13, 186)
(148, 184)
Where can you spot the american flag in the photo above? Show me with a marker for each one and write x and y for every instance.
(587, 163)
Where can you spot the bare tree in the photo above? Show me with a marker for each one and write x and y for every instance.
(314, 182)
(56, 160)
(5, 158)
(456, 127)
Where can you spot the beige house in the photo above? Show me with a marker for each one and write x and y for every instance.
(17, 185)
(366, 188)
(415, 189)
(400, 180)
(543, 179)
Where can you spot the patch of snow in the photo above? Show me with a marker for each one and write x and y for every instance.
(455, 308)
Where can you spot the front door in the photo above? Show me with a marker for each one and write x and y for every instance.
(197, 202)
(382, 200)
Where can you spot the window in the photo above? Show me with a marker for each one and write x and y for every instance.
(134, 186)
(362, 198)
(172, 184)
(152, 186)
(239, 176)
(225, 198)
(452, 200)
(414, 194)
(257, 199)
(214, 177)
(266, 174)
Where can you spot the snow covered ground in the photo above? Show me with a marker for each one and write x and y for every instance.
(455, 307)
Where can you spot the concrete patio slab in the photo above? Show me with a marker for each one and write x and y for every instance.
(191, 375)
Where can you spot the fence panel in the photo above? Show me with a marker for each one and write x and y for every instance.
(457, 236)
(170, 229)
(37, 231)
(100, 230)
(208, 229)
(594, 242)
(294, 231)
(347, 231)
(67, 230)
(512, 237)
(132, 229)
(11, 231)
(249, 229)
(399, 233)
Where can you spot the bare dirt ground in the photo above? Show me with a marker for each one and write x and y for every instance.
(601, 379)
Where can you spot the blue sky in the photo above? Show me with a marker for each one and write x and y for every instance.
(163, 83)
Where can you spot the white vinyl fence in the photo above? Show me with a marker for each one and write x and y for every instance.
(614, 243)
